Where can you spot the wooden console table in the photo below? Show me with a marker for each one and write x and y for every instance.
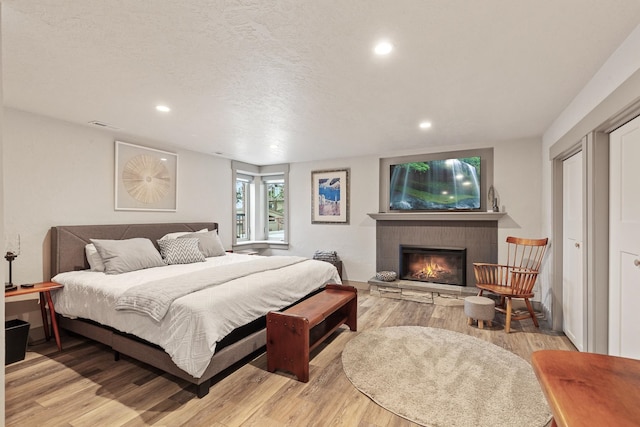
(295, 332)
(587, 389)
(44, 289)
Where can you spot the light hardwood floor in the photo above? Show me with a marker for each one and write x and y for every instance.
(84, 386)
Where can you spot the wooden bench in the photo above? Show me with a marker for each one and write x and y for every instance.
(295, 332)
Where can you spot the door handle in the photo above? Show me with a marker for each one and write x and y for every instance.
(578, 245)
(636, 262)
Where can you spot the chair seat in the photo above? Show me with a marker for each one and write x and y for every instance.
(504, 290)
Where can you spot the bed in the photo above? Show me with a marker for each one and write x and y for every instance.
(211, 338)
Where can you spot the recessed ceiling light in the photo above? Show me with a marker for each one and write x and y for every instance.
(163, 108)
(425, 125)
(383, 48)
(274, 146)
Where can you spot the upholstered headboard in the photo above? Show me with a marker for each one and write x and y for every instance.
(68, 241)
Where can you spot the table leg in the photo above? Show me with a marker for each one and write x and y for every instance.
(43, 310)
(54, 322)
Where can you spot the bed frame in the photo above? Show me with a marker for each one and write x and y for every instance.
(68, 254)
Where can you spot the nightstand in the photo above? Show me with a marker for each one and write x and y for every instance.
(44, 289)
(337, 264)
(247, 252)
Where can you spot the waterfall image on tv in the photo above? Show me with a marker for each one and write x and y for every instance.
(449, 184)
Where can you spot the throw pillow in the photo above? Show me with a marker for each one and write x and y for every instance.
(180, 251)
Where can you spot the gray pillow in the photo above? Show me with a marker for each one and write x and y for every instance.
(180, 251)
(122, 256)
(209, 243)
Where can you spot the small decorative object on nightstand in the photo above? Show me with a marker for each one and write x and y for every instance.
(12, 244)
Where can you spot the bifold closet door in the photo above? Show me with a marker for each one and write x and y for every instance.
(573, 284)
(624, 241)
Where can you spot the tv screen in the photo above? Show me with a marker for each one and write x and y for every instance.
(448, 184)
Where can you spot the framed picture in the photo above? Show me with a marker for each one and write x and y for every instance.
(330, 196)
(145, 178)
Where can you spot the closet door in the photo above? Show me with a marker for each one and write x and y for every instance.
(573, 284)
(624, 241)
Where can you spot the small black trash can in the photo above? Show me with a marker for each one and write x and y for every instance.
(16, 336)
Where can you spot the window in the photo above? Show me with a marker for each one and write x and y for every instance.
(261, 205)
(276, 212)
(242, 208)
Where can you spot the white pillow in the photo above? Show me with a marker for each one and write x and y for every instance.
(95, 262)
(181, 233)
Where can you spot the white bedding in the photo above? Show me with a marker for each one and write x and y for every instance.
(196, 322)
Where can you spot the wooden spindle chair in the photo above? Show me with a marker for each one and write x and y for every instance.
(515, 279)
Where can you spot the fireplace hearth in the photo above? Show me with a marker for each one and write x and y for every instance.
(442, 265)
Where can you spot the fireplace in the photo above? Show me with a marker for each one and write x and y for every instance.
(479, 237)
(436, 265)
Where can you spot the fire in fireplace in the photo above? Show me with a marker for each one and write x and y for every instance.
(436, 265)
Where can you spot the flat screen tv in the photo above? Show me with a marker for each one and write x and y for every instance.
(434, 185)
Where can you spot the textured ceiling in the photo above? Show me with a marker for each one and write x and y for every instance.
(241, 76)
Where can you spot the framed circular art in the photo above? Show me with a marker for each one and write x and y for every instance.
(145, 178)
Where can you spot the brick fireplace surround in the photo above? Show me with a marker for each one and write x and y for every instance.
(478, 236)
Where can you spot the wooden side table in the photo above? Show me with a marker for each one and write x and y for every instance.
(44, 289)
(588, 389)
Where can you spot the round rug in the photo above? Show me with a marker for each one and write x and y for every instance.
(436, 377)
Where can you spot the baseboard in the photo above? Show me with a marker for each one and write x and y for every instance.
(362, 286)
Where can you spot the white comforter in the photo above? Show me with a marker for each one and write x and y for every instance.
(196, 322)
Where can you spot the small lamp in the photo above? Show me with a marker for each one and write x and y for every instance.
(13, 250)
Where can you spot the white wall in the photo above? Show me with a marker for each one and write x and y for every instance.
(589, 109)
(516, 179)
(355, 242)
(57, 173)
(622, 63)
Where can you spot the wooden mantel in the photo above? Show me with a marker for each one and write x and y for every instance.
(437, 216)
